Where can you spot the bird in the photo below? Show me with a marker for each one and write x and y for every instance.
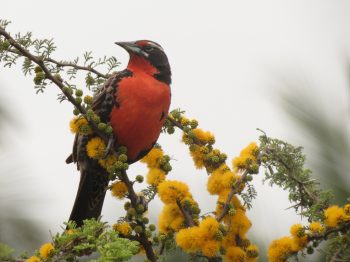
(135, 102)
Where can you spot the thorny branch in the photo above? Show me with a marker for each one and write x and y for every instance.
(234, 190)
(188, 219)
(64, 64)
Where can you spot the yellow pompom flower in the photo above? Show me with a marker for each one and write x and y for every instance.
(334, 215)
(239, 223)
(198, 157)
(119, 189)
(203, 136)
(152, 158)
(280, 249)
(155, 176)
(171, 191)
(316, 227)
(209, 227)
(107, 162)
(190, 239)
(235, 254)
(170, 219)
(252, 252)
(70, 231)
(347, 209)
(210, 248)
(80, 125)
(33, 259)
(219, 181)
(123, 228)
(200, 238)
(46, 250)
(297, 230)
(247, 156)
(95, 148)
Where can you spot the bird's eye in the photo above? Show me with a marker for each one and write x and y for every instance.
(148, 48)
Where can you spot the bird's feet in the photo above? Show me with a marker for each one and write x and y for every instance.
(111, 142)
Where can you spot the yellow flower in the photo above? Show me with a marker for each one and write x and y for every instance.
(229, 240)
(219, 181)
(316, 227)
(155, 176)
(119, 189)
(297, 230)
(235, 254)
(33, 259)
(280, 249)
(347, 209)
(95, 148)
(107, 162)
(170, 219)
(70, 231)
(334, 215)
(200, 238)
(190, 239)
(152, 158)
(203, 136)
(171, 191)
(209, 227)
(252, 251)
(298, 236)
(123, 228)
(239, 223)
(46, 250)
(246, 157)
(210, 248)
(198, 157)
(80, 125)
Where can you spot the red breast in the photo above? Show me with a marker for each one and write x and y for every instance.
(144, 103)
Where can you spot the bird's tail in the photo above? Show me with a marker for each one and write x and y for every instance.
(91, 193)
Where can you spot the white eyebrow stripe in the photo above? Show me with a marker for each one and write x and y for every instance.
(155, 45)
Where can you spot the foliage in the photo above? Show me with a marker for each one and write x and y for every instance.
(218, 235)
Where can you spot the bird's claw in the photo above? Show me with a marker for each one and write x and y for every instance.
(111, 141)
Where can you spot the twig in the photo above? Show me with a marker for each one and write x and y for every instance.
(188, 219)
(65, 64)
(234, 190)
(325, 234)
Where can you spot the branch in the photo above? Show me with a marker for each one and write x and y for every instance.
(188, 219)
(40, 62)
(65, 64)
(234, 190)
(325, 234)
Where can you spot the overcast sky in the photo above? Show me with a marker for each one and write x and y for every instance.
(228, 59)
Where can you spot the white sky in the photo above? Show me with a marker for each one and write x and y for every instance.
(227, 59)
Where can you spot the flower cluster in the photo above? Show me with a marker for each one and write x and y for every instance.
(202, 238)
(170, 219)
(301, 236)
(96, 148)
(119, 189)
(335, 215)
(122, 228)
(45, 252)
(284, 247)
(176, 196)
(80, 125)
(225, 183)
(158, 165)
(247, 159)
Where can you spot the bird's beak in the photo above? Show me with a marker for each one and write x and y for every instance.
(132, 48)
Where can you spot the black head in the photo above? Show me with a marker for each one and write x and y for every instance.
(152, 52)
